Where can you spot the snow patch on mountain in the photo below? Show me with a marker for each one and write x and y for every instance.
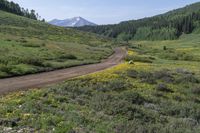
(72, 22)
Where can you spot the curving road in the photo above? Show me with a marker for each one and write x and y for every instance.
(43, 79)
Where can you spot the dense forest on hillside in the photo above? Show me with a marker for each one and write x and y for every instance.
(16, 9)
(161, 27)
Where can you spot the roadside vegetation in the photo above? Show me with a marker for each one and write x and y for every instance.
(155, 93)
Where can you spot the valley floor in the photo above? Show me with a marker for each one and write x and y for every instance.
(157, 91)
(46, 78)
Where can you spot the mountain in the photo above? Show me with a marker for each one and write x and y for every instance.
(168, 26)
(72, 22)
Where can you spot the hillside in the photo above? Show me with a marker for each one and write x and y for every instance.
(30, 46)
(170, 25)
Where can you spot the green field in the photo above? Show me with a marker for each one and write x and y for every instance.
(29, 46)
(159, 93)
(155, 90)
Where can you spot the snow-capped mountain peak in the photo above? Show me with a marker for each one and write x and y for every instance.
(72, 22)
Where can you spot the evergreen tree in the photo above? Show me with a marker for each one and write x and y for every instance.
(170, 25)
(16, 9)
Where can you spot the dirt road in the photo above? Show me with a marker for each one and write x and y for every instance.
(44, 79)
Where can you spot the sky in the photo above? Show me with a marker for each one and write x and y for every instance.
(102, 11)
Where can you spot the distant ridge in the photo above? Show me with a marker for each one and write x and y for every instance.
(167, 26)
(72, 22)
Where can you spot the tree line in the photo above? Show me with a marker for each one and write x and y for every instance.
(16, 9)
(161, 27)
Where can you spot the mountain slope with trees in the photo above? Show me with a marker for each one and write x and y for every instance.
(161, 27)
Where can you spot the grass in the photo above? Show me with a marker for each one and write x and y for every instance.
(28, 46)
(161, 96)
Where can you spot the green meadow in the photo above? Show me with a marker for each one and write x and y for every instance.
(156, 89)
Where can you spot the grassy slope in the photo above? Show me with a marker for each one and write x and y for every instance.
(29, 46)
(158, 93)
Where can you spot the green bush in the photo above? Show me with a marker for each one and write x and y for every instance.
(164, 75)
(139, 59)
(133, 98)
(32, 45)
(196, 90)
(68, 56)
(147, 77)
(113, 85)
(33, 61)
(163, 88)
(187, 78)
(132, 73)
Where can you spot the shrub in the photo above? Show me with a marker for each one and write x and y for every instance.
(183, 71)
(139, 59)
(151, 78)
(68, 56)
(32, 61)
(174, 55)
(8, 123)
(22, 69)
(101, 101)
(196, 90)
(188, 78)
(133, 98)
(164, 48)
(5, 68)
(114, 85)
(163, 88)
(9, 40)
(31, 45)
(147, 77)
(188, 58)
(164, 75)
(132, 73)
(22, 40)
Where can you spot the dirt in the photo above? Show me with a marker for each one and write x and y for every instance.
(48, 78)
